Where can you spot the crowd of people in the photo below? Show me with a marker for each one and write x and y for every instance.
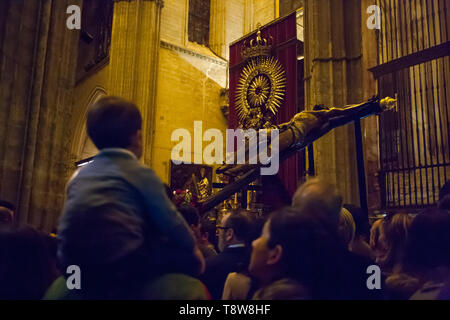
(121, 229)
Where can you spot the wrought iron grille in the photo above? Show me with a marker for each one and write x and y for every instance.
(414, 138)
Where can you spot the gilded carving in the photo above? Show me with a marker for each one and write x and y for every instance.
(261, 88)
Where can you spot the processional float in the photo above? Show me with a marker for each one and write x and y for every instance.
(266, 77)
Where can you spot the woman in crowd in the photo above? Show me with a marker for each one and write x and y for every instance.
(360, 243)
(296, 257)
(346, 228)
(399, 283)
(376, 240)
(427, 254)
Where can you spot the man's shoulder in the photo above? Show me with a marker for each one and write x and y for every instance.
(118, 159)
(229, 257)
(121, 165)
(214, 261)
(240, 252)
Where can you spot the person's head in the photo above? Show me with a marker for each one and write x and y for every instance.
(375, 232)
(27, 263)
(320, 197)
(114, 122)
(377, 243)
(6, 213)
(298, 246)
(192, 217)
(395, 234)
(346, 227)
(428, 244)
(444, 196)
(362, 226)
(208, 232)
(233, 229)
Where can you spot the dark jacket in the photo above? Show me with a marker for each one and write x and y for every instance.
(218, 268)
(283, 289)
(354, 280)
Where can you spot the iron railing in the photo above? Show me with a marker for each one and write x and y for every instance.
(414, 139)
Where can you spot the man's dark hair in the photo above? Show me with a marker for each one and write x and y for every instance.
(210, 227)
(112, 121)
(5, 216)
(240, 224)
(428, 244)
(190, 214)
(7, 205)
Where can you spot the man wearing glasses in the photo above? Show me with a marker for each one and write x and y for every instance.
(233, 231)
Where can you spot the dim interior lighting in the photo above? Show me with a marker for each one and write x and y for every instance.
(300, 57)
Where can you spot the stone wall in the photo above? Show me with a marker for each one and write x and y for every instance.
(191, 77)
(37, 63)
(336, 63)
(370, 125)
(43, 109)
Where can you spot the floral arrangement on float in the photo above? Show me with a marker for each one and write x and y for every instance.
(183, 197)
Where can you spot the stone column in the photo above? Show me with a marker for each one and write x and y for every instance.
(37, 62)
(249, 24)
(370, 124)
(333, 77)
(134, 59)
(217, 28)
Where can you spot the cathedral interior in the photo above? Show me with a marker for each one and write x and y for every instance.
(178, 61)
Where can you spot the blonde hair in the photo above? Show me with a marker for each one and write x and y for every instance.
(347, 227)
(395, 230)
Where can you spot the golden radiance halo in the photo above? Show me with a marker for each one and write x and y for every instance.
(262, 84)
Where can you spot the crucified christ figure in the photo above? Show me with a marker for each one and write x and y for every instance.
(304, 128)
(309, 125)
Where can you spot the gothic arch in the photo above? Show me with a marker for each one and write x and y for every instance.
(82, 146)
